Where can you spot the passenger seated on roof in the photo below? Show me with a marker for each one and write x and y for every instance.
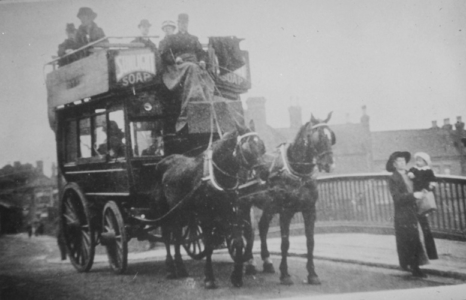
(144, 27)
(169, 28)
(114, 138)
(68, 46)
(185, 74)
(88, 31)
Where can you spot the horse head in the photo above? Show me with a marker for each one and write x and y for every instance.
(316, 140)
(240, 149)
(250, 148)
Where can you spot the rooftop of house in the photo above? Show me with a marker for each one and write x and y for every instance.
(435, 142)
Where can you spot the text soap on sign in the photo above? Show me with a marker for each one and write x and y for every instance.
(128, 63)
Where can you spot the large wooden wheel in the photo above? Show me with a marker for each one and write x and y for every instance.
(78, 232)
(114, 237)
(193, 241)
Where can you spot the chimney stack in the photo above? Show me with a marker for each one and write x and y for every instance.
(256, 112)
(295, 117)
(40, 166)
(459, 125)
(17, 164)
(446, 124)
(365, 118)
(434, 125)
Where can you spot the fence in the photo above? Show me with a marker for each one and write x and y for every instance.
(364, 201)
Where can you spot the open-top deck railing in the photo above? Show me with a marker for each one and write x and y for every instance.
(364, 202)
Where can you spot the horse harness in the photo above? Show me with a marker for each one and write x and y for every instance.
(208, 172)
(286, 171)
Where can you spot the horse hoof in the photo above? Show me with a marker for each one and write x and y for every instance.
(237, 283)
(268, 268)
(286, 280)
(250, 270)
(313, 280)
(210, 285)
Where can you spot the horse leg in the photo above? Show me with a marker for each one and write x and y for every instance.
(236, 277)
(309, 217)
(209, 279)
(264, 223)
(248, 232)
(285, 220)
(181, 271)
(169, 264)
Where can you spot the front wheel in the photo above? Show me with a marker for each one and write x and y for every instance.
(114, 237)
(193, 241)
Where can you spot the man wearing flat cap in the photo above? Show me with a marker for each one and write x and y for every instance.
(185, 75)
(88, 31)
(144, 27)
(68, 46)
(410, 241)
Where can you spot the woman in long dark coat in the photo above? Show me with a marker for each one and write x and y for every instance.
(409, 236)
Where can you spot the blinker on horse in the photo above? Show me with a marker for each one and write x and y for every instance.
(202, 190)
(292, 188)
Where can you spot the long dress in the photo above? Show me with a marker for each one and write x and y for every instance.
(410, 241)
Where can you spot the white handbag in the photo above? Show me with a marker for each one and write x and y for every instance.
(426, 204)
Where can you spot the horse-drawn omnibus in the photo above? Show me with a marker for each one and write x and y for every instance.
(114, 122)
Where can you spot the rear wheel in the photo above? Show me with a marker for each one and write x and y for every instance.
(114, 237)
(193, 241)
(78, 232)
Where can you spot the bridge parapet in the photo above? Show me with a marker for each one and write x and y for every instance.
(362, 202)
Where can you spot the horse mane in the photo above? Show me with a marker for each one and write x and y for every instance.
(299, 155)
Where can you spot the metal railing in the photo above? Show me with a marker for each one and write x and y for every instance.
(364, 201)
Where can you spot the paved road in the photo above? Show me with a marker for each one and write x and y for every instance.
(31, 269)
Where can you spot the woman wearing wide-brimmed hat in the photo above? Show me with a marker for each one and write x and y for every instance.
(408, 232)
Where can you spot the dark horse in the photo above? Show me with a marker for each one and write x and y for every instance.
(292, 188)
(203, 189)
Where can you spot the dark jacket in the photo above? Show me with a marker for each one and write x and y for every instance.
(147, 43)
(422, 178)
(86, 35)
(68, 44)
(185, 45)
(408, 241)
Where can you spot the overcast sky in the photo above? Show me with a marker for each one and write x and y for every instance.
(404, 59)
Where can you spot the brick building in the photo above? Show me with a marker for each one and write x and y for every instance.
(360, 150)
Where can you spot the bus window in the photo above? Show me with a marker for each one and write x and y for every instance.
(71, 141)
(85, 137)
(147, 138)
(116, 134)
(100, 135)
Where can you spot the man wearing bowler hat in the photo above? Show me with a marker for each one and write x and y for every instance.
(144, 27)
(88, 31)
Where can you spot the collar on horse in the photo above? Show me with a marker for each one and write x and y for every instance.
(208, 172)
(286, 170)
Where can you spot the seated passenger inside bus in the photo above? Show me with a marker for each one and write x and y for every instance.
(115, 142)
